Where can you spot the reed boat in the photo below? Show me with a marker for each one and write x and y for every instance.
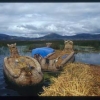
(22, 70)
(55, 60)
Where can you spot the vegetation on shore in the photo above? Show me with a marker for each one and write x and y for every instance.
(76, 79)
(93, 43)
(59, 45)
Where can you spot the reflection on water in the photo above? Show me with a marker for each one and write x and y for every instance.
(8, 90)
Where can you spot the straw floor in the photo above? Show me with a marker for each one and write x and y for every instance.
(76, 79)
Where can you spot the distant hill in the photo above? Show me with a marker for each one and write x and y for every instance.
(8, 37)
(83, 36)
(53, 36)
(4, 37)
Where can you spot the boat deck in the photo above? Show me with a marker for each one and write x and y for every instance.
(20, 62)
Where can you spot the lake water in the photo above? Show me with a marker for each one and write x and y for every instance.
(7, 90)
(89, 58)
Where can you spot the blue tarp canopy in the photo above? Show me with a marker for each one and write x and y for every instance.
(43, 51)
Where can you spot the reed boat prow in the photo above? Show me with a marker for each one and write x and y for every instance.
(7, 67)
(22, 70)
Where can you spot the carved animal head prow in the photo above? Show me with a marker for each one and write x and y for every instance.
(68, 41)
(68, 45)
(11, 45)
(13, 50)
(48, 44)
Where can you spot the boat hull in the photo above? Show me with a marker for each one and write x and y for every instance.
(54, 66)
(34, 77)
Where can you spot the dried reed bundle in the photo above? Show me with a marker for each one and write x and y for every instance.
(76, 80)
(55, 55)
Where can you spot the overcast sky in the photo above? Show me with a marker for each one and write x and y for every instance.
(39, 19)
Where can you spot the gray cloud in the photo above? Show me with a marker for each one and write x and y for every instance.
(39, 19)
